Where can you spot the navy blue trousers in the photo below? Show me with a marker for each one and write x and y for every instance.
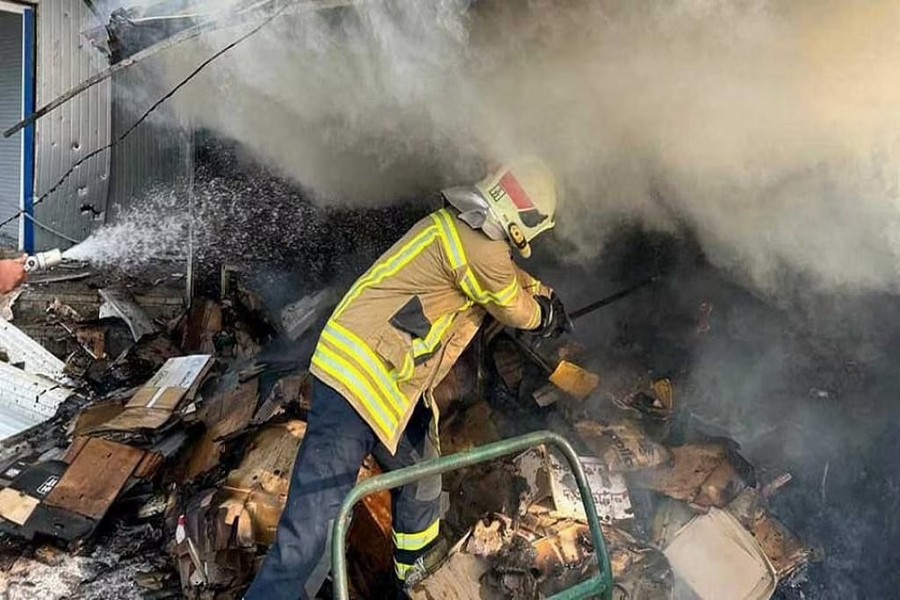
(336, 443)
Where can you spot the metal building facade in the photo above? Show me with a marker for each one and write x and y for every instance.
(11, 92)
(64, 59)
(156, 155)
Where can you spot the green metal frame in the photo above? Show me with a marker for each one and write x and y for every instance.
(600, 585)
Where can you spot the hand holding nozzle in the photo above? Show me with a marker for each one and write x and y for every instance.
(12, 273)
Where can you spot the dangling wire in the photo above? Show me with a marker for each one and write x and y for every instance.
(150, 110)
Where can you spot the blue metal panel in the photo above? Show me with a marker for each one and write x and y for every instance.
(28, 142)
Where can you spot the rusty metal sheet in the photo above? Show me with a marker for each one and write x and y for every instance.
(95, 478)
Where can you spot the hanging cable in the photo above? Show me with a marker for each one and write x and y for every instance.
(49, 229)
(152, 108)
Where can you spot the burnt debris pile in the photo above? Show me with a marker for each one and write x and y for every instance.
(156, 445)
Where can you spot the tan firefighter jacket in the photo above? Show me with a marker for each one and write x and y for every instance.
(405, 322)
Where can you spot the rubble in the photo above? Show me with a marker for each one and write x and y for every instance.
(172, 428)
(299, 316)
(27, 400)
(118, 304)
(715, 557)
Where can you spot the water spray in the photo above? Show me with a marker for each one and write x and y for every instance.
(43, 260)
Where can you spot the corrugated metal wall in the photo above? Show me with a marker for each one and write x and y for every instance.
(157, 157)
(64, 58)
(10, 112)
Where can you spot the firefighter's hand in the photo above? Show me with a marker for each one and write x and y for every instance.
(12, 274)
(554, 319)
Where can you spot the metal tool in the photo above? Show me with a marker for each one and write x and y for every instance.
(567, 376)
(601, 585)
(575, 314)
(43, 260)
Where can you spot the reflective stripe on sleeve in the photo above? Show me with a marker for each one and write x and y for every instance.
(469, 283)
(505, 297)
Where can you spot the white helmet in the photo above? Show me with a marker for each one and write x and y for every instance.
(522, 197)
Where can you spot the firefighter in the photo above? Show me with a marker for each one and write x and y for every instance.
(12, 274)
(390, 341)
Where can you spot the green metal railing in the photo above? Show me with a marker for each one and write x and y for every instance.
(598, 586)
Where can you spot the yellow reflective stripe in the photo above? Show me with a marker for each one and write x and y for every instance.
(372, 365)
(374, 391)
(450, 238)
(406, 372)
(505, 297)
(454, 247)
(416, 541)
(434, 337)
(389, 266)
(402, 571)
(345, 372)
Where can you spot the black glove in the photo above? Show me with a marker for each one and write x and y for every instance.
(554, 319)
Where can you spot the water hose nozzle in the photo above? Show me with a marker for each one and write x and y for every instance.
(43, 260)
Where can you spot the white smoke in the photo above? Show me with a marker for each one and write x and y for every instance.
(769, 127)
